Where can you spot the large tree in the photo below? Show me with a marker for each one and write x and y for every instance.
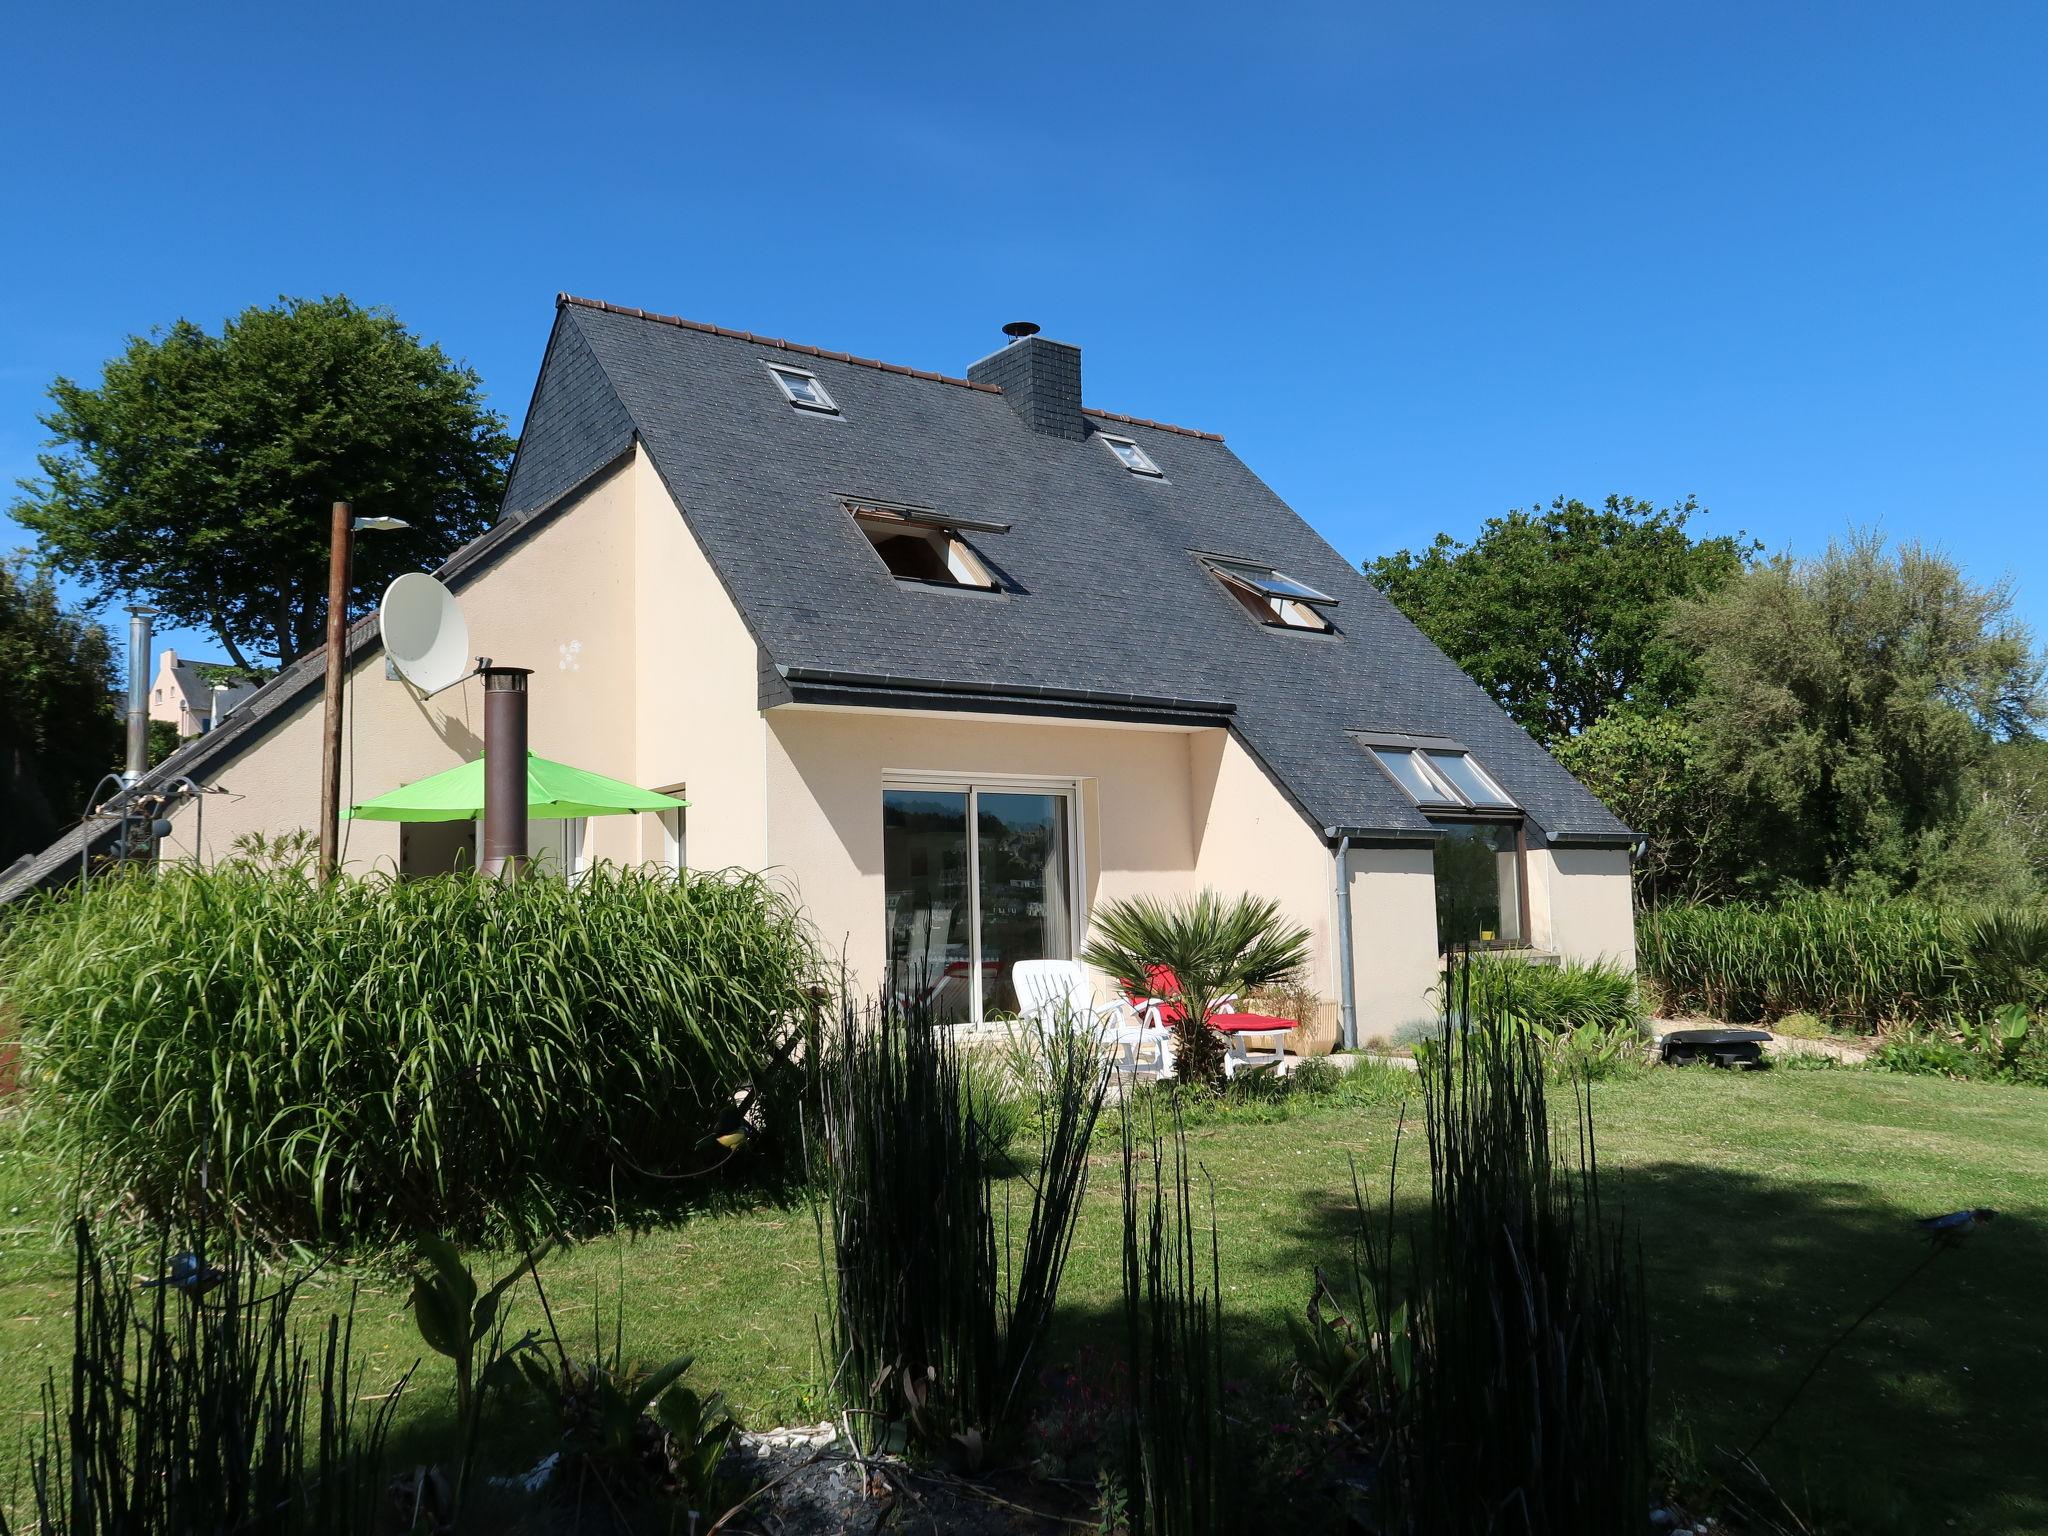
(60, 729)
(1847, 710)
(201, 471)
(1559, 612)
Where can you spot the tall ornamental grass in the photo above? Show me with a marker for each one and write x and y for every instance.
(1508, 1389)
(1571, 995)
(200, 1405)
(1867, 963)
(944, 1295)
(366, 1059)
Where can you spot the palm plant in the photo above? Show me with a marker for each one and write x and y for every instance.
(1214, 948)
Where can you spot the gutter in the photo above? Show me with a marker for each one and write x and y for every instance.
(889, 683)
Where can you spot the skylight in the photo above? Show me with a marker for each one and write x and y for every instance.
(922, 545)
(802, 388)
(1439, 778)
(1271, 597)
(1131, 456)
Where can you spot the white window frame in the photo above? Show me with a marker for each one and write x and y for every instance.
(675, 834)
(782, 373)
(972, 784)
(1144, 466)
(1452, 798)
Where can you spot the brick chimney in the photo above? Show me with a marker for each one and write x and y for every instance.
(1041, 379)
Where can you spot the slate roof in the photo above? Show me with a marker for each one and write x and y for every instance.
(1102, 601)
(1105, 611)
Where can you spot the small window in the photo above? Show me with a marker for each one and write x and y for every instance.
(1465, 776)
(802, 388)
(1438, 778)
(1407, 770)
(1131, 456)
(923, 546)
(1272, 598)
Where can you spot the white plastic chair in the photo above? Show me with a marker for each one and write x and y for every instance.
(1056, 994)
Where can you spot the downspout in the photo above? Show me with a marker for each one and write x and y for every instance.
(1347, 1007)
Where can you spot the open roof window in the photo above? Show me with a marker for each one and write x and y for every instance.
(1269, 596)
(924, 545)
(1131, 456)
(802, 389)
(1437, 776)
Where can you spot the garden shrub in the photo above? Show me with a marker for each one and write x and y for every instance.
(1851, 960)
(2008, 1046)
(373, 1057)
(1566, 996)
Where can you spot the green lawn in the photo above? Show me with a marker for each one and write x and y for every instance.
(1772, 1209)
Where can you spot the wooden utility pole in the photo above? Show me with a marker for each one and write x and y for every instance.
(337, 668)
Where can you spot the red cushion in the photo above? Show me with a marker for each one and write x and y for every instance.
(1166, 985)
(1249, 1023)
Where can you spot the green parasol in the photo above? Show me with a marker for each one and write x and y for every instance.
(554, 792)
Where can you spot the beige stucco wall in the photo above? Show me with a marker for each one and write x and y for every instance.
(643, 669)
(1249, 837)
(560, 602)
(696, 698)
(825, 774)
(1581, 905)
(1393, 940)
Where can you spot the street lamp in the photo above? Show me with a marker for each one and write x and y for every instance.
(341, 546)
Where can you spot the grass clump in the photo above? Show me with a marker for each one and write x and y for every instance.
(1865, 964)
(1502, 1383)
(936, 1318)
(373, 1057)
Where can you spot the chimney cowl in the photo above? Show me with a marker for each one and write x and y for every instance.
(1040, 378)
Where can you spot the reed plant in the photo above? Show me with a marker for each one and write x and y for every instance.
(1570, 995)
(1861, 962)
(936, 1315)
(1183, 1469)
(195, 1404)
(376, 1057)
(1507, 1389)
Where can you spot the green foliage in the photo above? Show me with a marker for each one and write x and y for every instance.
(1845, 705)
(1215, 949)
(202, 468)
(1558, 613)
(1179, 1451)
(1567, 995)
(373, 1058)
(934, 1328)
(59, 728)
(2009, 1045)
(1524, 1330)
(202, 1410)
(1849, 960)
(1647, 768)
(454, 1315)
(163, 740)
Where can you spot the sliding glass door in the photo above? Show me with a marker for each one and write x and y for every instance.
(976, 878)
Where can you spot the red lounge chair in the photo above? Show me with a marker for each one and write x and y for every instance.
(1164, 1009)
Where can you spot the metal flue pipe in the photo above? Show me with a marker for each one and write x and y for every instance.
(504, 850)
(137, 763)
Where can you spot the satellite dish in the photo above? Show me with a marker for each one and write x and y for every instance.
(425, 635)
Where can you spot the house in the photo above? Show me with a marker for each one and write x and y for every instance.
(960, 658)
(195, 696)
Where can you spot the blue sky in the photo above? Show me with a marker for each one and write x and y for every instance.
(1419, 262)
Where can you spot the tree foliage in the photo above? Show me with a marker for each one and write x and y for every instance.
(1846, 706)
(60, 729)
(1559, 612)
(202, 469)
(1648, 768)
